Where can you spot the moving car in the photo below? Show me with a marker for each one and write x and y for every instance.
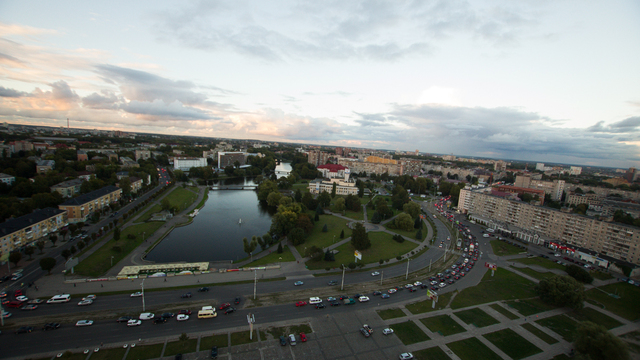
(90, 297)
(392, 291)
(229, 310)
(159, 320)
(186, 295)
(184, 312)
(22, 298)
(182, 317)
(385, 296)
(224, 306)
(124, 319)
(332, 283)
(301, 303)
(298, 283)
(85, 302)
(35, 301)
(203, 289)
(136, 294)
(50, 326)
(363, 298)
(134, 322)
(146, 316)
(375, 273)
(167, 315)
(320, 306)
(387, 331)
(24, 330)
(29, 307)
(84, 323)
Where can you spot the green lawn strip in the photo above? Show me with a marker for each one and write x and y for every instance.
(180, 347)
(535, 274)
(425, 305)
(303, 187)
(434, 353)
(68, 355)
(590, 314)
(530, 307)
(600, 275)
(477, 317)
(561, 325)
(335, 225)
(274, 257)
(181, 198)
(472, 349)
(561, 357)
(382, 247)
(504, 311)
(409, 333)
(390, 313)
(355, 215)
(545, 263)
(242, 337)
(539, 333)
(108, 354)
(504, 285)
(146, 216)
(219, 340)
(501, 248)
(297, 329)
(512, 344)
(443, 324)
(626, 305)
(145, 352)
(99, 262)
(410, 234)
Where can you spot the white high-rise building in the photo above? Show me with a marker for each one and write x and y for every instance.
(540, 166)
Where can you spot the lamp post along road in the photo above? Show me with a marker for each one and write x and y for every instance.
(342, 285)
(255, 283)
(407, 274)
(142, 284)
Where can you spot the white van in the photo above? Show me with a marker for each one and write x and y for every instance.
(206, 314)
(59, 299)
(314, 300)
(490, 230)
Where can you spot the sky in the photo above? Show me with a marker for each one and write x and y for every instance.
(540, 80)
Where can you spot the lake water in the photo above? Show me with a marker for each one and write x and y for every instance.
(283, 170)
(215, 235)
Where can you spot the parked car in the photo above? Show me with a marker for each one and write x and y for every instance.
(387, 331)
(229, 310)
(320, 306)
(406, 356)
(214, 352)
(167, 315)
(124, 318)
(283, 341)
(364, 332)
(303, 337)
(385, 296)
(24, 330)
(29, 307)
(84, 323)
(236, 300)
(50, 326)
(184, 312)
(375, 273)
(186, 295)
(134, 322)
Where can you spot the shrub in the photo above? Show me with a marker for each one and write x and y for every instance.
(399, 257)
(131, 237)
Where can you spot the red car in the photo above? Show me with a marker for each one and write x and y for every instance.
(224, 306)
(18, 293)
(303, 337)
(184, 312)
(301, 303)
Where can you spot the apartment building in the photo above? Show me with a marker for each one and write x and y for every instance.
(80, 208)
(370, 167)
(27, 229)
(593, 200)
(229, 158)
(334, 171)
(7, 179)
(342, 187)
(612, 239)
(186, 163)
(553, 188)
(317, 157)
(68, 188)
(44, 166)
(142, 155)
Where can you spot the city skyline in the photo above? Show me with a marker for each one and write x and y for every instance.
(538, 81)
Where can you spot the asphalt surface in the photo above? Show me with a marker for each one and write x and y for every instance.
(108, 331)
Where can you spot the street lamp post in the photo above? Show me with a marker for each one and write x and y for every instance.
(342, 285)
(255, 283)
(407, 274)
(112, 261)
(142, 285)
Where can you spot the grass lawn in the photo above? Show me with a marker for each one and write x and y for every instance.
(147, 215)
(539, 333)
(504, 285)
(108, 354)
(476, 317)
(297, 329)
(512, 344)
(472, 349)
(274, 257)
(443, 324)
(323, 239)
(600, 275)
(410, 234)
(180, 347)
(382, 247)
(425, 305)
(242, 337)
(504, 311)
(561, 325)
(145, 352)
(561, 357)
(303, 187)
(68, 355)
(501, 248)
(536, 274)
(626, 305)
(434, 353)
(219, 340)
(545, 263)
(409, 333)
(99, 262)
(181, 198)
(589, 314)
(390, 313)
(530, 307)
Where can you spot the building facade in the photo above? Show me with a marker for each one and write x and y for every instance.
(342, 187)
(25, 230)
(370, 168)
(317, 157)
(68, 188)
(612, 239)
(229, 158)
(142, 154)
(7, 179)
(80, 208)
(44, 166)
(186, 163)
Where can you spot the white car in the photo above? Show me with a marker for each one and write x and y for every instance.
(182, 317)
(375, 273)
(392, 291)
(406, 356)
(22, 298)
(408, 286)
(387, 331)
(90, 297)
(442, 285)
(85, 302)
(136, 294)
(417, 283)
(84, 323)
(363, 298)
(134, 322)
(146, 316)
(434, 282)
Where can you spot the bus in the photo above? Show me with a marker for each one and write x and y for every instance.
(59, 299)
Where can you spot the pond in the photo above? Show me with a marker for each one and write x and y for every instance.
(216, 233)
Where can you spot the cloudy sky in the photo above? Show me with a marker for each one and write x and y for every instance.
(554, 81)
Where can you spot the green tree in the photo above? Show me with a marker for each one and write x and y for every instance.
(265, 188)
(280, 249)
(116, 234)
(579, 274)
(561, 291)
(47, 264)
(15, 258)
(376, 219)
(53, 239)
(263, 244)
(73, 228)
(315, 253)
(63, 233)
(339, 205)
(360, 238)
(403, 222)
(342, 234)
(329, 256)
(29, 251)
(333, 190)
(298, 195)
(296, 236)
(66, 253)
(40, 245)
(274, 199)
(73, 249)
(419, 235)
(324, 199)
(595, 342)
(249, 246)
(411, 208)
(165, 204)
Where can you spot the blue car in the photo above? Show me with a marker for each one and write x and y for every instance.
(385, 296)
(298, 283)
